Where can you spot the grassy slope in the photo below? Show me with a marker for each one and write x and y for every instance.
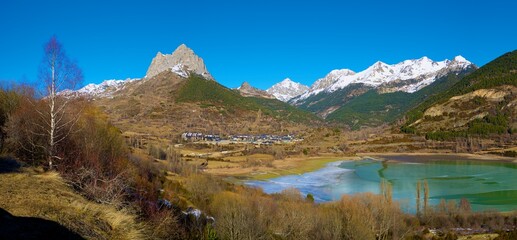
(211, 93)
(47, 196)
(501, 71)
(373, 108)
(322, 101)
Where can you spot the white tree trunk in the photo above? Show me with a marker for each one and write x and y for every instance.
(52, 115)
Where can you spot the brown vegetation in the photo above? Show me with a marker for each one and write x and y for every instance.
(45, 195)
(250, 214)
(139, 185)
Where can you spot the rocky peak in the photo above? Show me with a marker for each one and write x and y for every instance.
(287, 89)
(458, 63)
(245, 86)
(331, 78)
(379, 67)
(246, 90)
(182, 61)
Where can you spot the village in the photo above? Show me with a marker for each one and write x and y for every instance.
(261, 139)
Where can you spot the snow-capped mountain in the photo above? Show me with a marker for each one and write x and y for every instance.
(323, 83)
(287, 89)
(104, 89)
(408, 76)
(182, 61)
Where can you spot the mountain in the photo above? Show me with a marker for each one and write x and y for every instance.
(380, 94)
(407, 76)
(401, 81)
(105, 89)
(169, 104)
(482, 103)
(287, 89)
(323, 84)
(374, 107)
(182, 61)
(246, 90)
(179, 95)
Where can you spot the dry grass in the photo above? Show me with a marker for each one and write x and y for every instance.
(253, 156)
(479, 237)
(47, 196)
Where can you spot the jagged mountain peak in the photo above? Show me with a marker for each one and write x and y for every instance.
(331, 78)
(287, 81)
(182, 61)
(183, 47)
(287, 89)
(246, 90)
(325, 82)
(409, 75)
(379, 64)
(245, 85)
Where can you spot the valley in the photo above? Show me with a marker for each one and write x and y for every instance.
(258, 120)
(180, 109)
(177, 148)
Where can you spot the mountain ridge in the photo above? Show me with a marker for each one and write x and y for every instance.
(183, 61)
(287, 89)
(327, 96)
(409, 76)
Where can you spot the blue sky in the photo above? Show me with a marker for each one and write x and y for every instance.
(261, 42)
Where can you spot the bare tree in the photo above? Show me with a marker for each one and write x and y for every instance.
(11, 97)
(57, 72)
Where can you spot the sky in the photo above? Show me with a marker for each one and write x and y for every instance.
(261, 42)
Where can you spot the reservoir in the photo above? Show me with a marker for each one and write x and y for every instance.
(487, 185)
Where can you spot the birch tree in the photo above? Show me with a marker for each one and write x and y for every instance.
(57, 72)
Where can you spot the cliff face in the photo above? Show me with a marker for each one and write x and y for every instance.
(182, 61)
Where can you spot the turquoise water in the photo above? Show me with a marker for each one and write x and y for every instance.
(487, 185)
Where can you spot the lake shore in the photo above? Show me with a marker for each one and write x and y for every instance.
(287, 166)
(300, 165)
(423, 157)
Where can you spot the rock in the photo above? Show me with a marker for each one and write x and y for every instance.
(246, 90)
(182, 61)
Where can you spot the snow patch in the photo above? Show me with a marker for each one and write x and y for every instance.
(179, 69)
(104, 89)
(287, 89)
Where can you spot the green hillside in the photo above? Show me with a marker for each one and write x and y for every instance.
(501, 71)
(321, 102)
(210, 93)
(373, 108)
